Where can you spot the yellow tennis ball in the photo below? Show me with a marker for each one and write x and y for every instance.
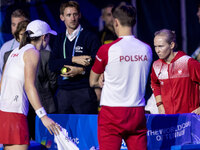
(63, 70)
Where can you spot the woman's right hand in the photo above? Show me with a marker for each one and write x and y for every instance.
(52, 126)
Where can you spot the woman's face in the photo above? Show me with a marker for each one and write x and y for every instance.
(162, 47)
(21, 34)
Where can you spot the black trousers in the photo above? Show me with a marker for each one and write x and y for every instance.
(78, 101)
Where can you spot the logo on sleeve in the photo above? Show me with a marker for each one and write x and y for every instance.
(99, 59)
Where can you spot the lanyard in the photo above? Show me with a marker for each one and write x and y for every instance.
(73, 52)
(11, 48)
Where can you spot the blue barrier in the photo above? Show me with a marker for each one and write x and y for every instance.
(33, 146)
(163, 132)
(186, 147)
(82, 129)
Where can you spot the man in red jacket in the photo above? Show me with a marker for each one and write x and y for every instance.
(175, 77)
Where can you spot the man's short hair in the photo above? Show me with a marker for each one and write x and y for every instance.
(19, 13)
(69, 4)
(126, 14)
(107, 6)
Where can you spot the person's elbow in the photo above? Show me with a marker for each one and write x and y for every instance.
(92, 83)
(93, 79)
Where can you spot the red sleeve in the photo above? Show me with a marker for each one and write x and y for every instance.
(101, 60)
(194, 69)
(155, 84)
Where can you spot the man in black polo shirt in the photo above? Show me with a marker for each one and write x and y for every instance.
(107, 35)
(73, 53)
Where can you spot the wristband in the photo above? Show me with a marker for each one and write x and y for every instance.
(41, 112)
(159, 103)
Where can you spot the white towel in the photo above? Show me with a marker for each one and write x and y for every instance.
(63, 142)
(151, 105)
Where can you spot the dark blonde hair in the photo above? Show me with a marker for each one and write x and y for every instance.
(69, 4)
(103, 10)
(19, 13)
(170, 36)
(20, 27)
(126, 14)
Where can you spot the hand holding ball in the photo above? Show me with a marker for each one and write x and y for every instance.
(65, 70)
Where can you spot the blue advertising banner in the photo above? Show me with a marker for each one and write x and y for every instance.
(163, 132)
(167, 130)
(82, 130)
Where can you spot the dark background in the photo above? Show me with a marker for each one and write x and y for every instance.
(152, 15)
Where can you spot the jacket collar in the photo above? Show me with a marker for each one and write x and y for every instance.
(178, 55)
(72, 36)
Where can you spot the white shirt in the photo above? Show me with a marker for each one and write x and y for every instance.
(73, 35)
(125, 63)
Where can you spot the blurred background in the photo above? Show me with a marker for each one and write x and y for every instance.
(152, 15)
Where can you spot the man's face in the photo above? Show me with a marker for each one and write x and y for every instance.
(198, 14)
(107, 16)
(71, 18)
(162, 47)
(14, 23)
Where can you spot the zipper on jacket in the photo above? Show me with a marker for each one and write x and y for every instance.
(168, 71)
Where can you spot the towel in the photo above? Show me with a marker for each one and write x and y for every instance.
(63, 142)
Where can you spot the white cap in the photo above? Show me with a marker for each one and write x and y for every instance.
(39, 27)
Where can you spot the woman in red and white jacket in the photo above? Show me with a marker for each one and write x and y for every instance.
(175, 77)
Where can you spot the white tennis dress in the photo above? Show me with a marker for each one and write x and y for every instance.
(13, 97)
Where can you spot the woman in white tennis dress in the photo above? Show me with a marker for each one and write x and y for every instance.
(17, 88)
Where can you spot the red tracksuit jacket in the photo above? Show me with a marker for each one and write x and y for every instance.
(177, 83)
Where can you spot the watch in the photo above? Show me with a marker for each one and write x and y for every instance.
(83, 72)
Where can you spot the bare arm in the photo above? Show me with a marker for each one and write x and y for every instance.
(94, 82)
(94, 79)
(31, 59)
(98, 90)
(161, 108)
(101, 80)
